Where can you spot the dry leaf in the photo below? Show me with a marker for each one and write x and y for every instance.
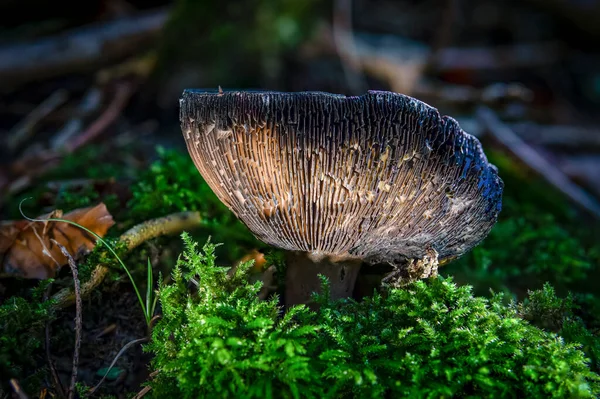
(26, 249)
(257, 257)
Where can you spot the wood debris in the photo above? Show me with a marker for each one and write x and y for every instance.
(534, 160)
(81, 49)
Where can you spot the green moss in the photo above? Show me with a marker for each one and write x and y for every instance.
(81, 197)
(545, 310)
(171, 184)
(22, 322)
(87, 162)
(432, 339)
(90, 162)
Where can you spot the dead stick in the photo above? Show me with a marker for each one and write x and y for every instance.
(36, 164)
(22, 131)
(17, 388)
(143, 392)
(79, 49)
(91, 102)
(527, 154)
(561, 136)
(122, 94)
(525, 55)
(133, 237)
(78, 317)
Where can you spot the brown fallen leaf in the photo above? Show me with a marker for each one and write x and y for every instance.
(27, 250)
(257, 257)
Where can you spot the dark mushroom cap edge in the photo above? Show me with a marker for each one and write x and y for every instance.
(381, 177)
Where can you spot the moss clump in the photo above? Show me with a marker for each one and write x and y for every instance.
(171, 184)
(237, 344)
(545, 310)
(22, 322)
(432, 339)
(525, 251)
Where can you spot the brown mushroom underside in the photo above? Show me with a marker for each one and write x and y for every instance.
(381, 177)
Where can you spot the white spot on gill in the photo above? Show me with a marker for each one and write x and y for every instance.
(240, 197)
(223, 134)
(383, 186)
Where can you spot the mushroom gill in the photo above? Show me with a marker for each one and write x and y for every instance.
(378, 178)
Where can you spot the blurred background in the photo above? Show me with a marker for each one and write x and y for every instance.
(101, 80)
(89, 90)
(77, 73)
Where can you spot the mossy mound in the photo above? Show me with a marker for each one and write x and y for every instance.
(432, 339)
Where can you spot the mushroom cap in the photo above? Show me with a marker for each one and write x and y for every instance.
(381, 177)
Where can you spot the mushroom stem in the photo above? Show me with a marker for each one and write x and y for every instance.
(302, 272)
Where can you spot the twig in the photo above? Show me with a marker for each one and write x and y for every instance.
(582, 169)
(31, 166)
(525, 55)
(55, 377)
(558, 135)
(372, 49)
(122, 94)
(505, 136)
(78, 317)
(91, 101)
(396, 60)
(133, 237)
(17, 388)
(123, 350)
(147, 388)
(108, 330)
(346, 49)
(468, 95)
(23, 130)
(79, 49)
(143, 392)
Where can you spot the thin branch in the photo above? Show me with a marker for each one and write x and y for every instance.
(132, 238)
(17, 388)
(79, 49)
(371, 49)
(523, 55)
(147, 388)
(78, 318)
(23, 130)
(123, 92)
(143, 392)
(91, 102)
(528, 155)
(560, 136)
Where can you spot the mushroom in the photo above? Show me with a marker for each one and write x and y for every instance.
(339, 181)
